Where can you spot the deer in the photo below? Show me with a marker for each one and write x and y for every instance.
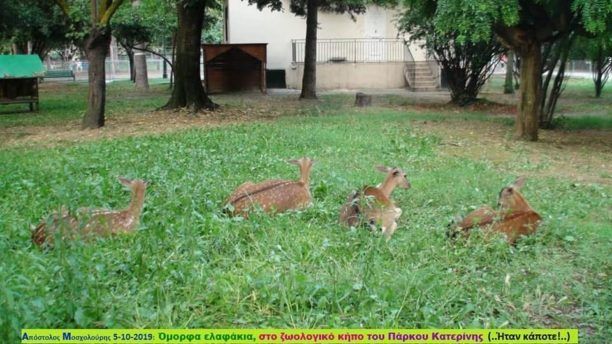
(373, 206)
(87, 223)
(273, 196)
(514, 216)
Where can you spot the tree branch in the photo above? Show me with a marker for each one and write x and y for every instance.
(63, 6)
(154, 53)
(110, 11)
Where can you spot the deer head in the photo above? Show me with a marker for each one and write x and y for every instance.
(510, 198)
(138, 188)
(305, 165)
(395, 178)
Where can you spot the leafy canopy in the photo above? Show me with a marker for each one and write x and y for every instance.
(476, 19)
(298, 7)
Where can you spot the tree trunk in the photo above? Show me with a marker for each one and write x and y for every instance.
(598, 84)
(173, 57)
(309, 80)
(39, 47)
(530, 91)
(598, 71)
(20, 48)
(550, 93)
(140, 69)
(130, 54)
(140, 62)
(188, 90)
(97, 45)
(509, 84)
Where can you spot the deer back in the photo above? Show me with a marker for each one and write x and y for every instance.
(518, 224)
(272, 195)
(88, 222)
(482, 216)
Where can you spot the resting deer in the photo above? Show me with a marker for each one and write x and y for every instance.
(94, 222)
(514, 218)
(276, 195)
(372, 205)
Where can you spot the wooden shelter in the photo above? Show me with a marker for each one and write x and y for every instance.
(19, 79)
(234, 67)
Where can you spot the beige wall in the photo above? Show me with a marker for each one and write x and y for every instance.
(351, 75)
(246, 24)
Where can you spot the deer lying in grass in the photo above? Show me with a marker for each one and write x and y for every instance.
(93, 222)
(276, 195)
(372, 205)
(514, 218)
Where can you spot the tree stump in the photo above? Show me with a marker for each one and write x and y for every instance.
(362, 99)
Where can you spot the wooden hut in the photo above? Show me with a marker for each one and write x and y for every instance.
(19, 79)
(234, 67)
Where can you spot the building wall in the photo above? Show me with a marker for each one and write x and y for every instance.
(246, 24)
(351, 75)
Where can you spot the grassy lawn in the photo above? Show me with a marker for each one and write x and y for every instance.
(191, 266)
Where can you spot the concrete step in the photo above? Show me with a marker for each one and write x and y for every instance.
(428, 80)
(425, 89)
(425, 86)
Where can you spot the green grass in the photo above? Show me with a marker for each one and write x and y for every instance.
(67, 101)
(583, 122)
(190, 266)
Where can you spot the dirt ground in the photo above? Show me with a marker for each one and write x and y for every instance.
(581, 155)
(154, 122)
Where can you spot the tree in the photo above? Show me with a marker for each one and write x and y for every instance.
(128, 35)
(467, 65)
(310, 9)
(32, 26)
(509, 81)
(140, 60)
(598, 50)
(188, 90)
(555, 55)
(145, 28)
(601, 59)
(96, 44)
(523, 26)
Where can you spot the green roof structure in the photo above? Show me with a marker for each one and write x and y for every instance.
(21, 66)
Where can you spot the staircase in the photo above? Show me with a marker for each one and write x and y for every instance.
(420, 77)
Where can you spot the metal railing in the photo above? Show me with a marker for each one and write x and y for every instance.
(362, 50)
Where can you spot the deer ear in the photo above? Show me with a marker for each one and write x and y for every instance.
(293, 161)
(383, 169)
(518, 183)
(124, 181)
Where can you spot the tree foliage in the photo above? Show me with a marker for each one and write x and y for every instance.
(299, 7)
(37, 22)
(598, 50)
(524, 26)
(466, 64)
